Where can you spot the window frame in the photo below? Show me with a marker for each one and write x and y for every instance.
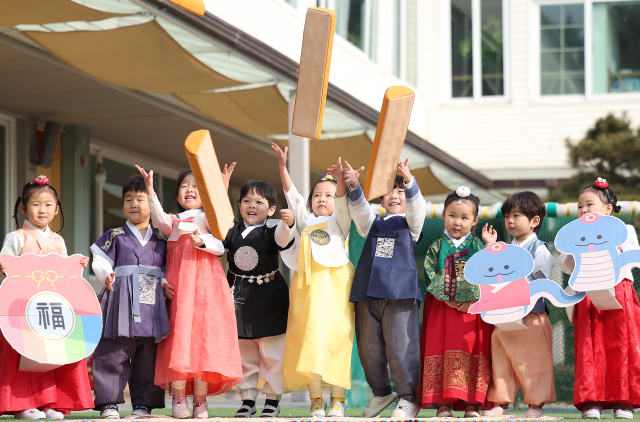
(445, 55)
(534, 57)
(331, 4)
(10, 174)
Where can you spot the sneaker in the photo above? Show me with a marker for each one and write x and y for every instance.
(30, 414)
(110, 411)
(622, 411)
(406, 409)
(51, 414)
(180, 408)
(496, 411)
(592, 411)
(377, 404)
(269, 410)
(444, 412)
(318, 407)
(247, 409)
(200, 408)
(139, 410)
(534, 412)
(338, 408)
(472, 412)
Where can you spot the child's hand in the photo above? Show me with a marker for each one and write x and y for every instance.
(148, 180)
(337, 171)
(489, 235)
(195, 239)
(464, 306)
(3, 267)
(288, 217)
(403, 168)
(226, 174)
(84, 261)
(454, 305)
(350, 175)
(108, 282)
(282, 155)
(168, 290)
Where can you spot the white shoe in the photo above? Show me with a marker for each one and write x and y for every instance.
(406, 409)
(245, 411)
(30, 414)
(622, 411)
(496, 411)
(269, 411)
(318, 407)
(444, 412)
(51, 414)
(200, 409)
(338, 409)
(534, 412)
(180, 408)
(592, 411)
(140, 411)
(377, 404)
(472, 412)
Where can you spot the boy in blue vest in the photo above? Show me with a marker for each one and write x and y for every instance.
(386, 292)
(523, 358)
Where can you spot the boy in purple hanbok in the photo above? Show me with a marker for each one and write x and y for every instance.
(130, 262)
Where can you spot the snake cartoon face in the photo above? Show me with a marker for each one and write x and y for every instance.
(499, 263)
(591, 233)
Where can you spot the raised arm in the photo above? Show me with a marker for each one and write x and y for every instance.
(282, 166)
(161, 220)
(226, 174)
(359, 208)
(415, 205)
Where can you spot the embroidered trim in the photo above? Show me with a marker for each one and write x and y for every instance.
(456, 370)
(258, 278)
(115, 232)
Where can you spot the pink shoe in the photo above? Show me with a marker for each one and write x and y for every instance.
(200, 408)
(534, 412)
(496, 411)
(180, 408)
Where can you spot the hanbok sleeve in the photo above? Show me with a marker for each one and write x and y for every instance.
(104, 253)
(342, 215)
(211, 244)
(284, 235)
(161, 220)
(13, 244)
(567, 263)
(543, 261)
(431, 262)
(360, 210)
(632, 240)
(298, 205)
(415, 208)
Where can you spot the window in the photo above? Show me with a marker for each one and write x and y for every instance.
(562, 49)
(616, 37)
(357, 22)
(477, 68)
(291, 2)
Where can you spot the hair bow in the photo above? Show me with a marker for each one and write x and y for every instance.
(601, 183)
(41, 180)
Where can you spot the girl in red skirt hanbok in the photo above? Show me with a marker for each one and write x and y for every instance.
(606, 343)
(201, 355)
(456, 345)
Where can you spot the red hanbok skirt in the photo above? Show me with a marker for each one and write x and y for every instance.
(456, 356)
(607, 351)
(203, 341)
(63, 389)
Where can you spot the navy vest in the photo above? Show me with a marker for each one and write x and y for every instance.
(387, 267)
(532, 247)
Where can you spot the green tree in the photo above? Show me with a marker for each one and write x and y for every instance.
(610, 149)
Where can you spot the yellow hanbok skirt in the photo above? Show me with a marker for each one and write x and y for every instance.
(320, 328)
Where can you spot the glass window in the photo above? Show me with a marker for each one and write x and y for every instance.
(291, 2)
(491, 51)
(373, 31)
(461, 49)
(616, 37)
(351, 21)
(562, 49)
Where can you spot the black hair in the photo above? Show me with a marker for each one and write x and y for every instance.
(529, 204)
(260, 188)
(31, 189)
(453, 196)
(136, 184)
(397, 183)
(330, 179)
(181, 178)
(606, 195)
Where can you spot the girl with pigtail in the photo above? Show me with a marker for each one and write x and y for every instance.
(607, 355)
(51, 394)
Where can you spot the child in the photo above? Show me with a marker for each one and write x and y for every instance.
(386, 292)
(130, 262)
(523, 358)
(261, 294)
(200, 356)
(606, 342)
(35, 395)
(456, 345)
(319, 338)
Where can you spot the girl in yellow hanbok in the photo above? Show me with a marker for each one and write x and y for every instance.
(320, 327)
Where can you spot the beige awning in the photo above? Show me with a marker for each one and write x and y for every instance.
(260, 111)
(141, 57)
(37, 12)
(429, 183)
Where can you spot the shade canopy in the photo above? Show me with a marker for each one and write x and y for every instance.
(37, 12)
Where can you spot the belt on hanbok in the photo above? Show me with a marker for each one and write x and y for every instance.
(304, 262)
(135, 271)
(258, 278)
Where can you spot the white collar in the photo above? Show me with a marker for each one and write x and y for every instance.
(313, 219)
(137, 234)
(533, 236)
(394, 215)
(189, 213)
(248, 228)
(457, 242)
(44, 233)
